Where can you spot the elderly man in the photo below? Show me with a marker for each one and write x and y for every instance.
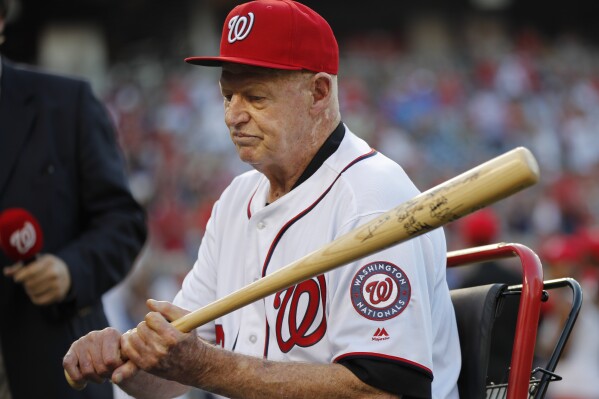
(383, 326)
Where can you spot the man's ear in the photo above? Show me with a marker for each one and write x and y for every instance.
(322, 89)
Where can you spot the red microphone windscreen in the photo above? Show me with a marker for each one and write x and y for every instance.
(21, 236)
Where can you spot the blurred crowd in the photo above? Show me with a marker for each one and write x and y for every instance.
(437, 102)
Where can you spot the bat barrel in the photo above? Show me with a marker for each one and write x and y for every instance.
(474, 189)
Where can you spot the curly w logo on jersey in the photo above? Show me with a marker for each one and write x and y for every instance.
(380, 291)
(301, 317)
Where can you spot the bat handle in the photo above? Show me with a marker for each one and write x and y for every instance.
(75, 385)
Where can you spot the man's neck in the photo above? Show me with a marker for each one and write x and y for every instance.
(280, 187)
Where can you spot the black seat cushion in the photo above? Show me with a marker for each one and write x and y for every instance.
(476, 309)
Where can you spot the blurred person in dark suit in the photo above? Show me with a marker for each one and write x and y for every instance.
(59, 160)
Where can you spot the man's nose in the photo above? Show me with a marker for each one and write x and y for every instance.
(236, 111)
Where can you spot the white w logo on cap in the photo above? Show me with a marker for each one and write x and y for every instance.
(239, 27)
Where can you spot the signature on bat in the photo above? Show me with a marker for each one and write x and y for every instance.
(436, 205)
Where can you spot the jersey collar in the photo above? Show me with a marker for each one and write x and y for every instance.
(326, 150)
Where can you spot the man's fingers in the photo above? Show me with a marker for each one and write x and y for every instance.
(40, 292)
(166, 309)
(44, 297)
(145, 346)
(46, 280)
(25, 273)
(9, 271)
(132, 345)
(111, 355)
(87, 367)
(127, 370)
(93, 357)
(70, 364)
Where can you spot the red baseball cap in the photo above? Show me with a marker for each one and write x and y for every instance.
(279, 34)
(481, 227)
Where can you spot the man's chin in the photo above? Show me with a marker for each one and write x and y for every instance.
(248, 158)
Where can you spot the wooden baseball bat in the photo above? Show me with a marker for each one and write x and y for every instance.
(474, 189)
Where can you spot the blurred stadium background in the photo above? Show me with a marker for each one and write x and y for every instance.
(437, 85)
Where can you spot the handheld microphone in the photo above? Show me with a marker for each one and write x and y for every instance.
(21, 236)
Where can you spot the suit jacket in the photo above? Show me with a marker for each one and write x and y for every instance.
(59, 159)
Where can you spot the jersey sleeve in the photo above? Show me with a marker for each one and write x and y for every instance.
(199, 286)
(380, 316)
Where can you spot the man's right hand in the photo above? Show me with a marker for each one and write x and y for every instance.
(94, 356)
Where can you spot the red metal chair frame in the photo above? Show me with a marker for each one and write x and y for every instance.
(529, 309)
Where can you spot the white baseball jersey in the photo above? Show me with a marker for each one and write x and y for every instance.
(393, 305)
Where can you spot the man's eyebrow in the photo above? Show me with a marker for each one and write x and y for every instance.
(245, 84)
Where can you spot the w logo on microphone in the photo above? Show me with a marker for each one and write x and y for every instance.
(24, 239)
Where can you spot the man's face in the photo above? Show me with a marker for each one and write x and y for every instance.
(267, 113)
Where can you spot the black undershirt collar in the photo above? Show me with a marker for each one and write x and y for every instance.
(328, 148)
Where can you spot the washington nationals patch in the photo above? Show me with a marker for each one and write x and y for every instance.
(380, 291)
